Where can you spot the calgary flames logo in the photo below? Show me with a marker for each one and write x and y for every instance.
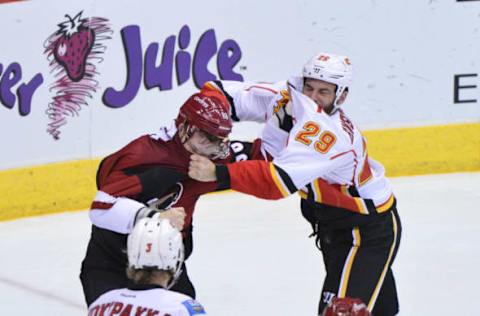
(282, 102)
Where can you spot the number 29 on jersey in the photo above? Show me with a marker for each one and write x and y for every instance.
(309, 133)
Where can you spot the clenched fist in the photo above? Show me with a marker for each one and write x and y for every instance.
(201, 169)
(176, 216)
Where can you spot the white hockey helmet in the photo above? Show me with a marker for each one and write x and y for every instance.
(155, 244)
(331, 68)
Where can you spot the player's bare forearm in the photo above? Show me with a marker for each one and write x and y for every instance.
(176, 216)
(201, 169)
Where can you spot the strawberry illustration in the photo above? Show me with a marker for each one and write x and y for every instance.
(73, 46)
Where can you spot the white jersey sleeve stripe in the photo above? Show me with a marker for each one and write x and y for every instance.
(119, 217)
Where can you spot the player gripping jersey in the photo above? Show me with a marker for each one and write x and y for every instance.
(320, 153)
(146, 176)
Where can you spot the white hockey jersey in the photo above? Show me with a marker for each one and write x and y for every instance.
(324, 156)
(146, 302)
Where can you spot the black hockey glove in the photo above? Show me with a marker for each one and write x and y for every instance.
(240, 150)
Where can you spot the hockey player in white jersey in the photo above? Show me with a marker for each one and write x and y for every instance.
(155, 256)
(318, 152)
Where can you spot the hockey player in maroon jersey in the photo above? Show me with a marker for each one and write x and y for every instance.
(149, 175)
(319, 152)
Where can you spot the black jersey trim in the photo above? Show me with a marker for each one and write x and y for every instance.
(223, 177)
(286, 179)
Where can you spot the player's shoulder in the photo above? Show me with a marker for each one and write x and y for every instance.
(110, 294)
(164, 133)
(145, 146)
(154, 143)
(140, 143)
(193, 307)
(347, 127)
(266, 89)
(104, 298)
(185, 303)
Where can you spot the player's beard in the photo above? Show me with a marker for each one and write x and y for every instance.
(328, 108)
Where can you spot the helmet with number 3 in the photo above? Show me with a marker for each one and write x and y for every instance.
(155, 244)
(330, 68)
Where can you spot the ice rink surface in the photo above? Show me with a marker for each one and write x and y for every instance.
(254, 257)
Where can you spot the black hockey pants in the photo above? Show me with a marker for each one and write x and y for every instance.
(358, 252)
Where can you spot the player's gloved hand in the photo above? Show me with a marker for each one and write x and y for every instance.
(201, 169)
(282, 117)
(176, 215)
(240, 150)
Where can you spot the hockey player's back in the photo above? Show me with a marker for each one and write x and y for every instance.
(155, 258)
(147, 301)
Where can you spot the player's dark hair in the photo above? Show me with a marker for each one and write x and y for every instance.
(146, 276)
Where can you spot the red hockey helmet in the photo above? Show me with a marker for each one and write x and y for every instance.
(207, 111)
(346, 307)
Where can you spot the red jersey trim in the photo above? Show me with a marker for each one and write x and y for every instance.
(254, 177)
(101, 205)
(263, 88)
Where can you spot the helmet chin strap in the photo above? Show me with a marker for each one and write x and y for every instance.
(336, 106)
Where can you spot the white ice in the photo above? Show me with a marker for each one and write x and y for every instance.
(253, 257)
